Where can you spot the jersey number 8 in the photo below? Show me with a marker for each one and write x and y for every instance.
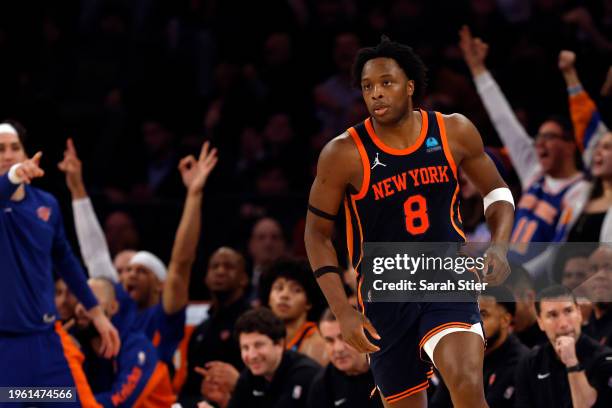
(415, 208)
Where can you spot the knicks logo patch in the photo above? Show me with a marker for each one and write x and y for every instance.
(44, 213)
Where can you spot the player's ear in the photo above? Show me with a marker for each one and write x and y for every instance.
(410, 87)
(506, 319)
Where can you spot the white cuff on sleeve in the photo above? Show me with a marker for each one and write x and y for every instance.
(12, 174)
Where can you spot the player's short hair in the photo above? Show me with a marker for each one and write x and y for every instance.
(503, 297)
(21, 130)
(406, 58)
(262, 321)
(553, 292)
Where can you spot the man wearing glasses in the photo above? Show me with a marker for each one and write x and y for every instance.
(545, 165)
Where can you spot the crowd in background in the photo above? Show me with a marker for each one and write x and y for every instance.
(138, 85)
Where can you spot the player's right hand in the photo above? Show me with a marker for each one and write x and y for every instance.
(567, 59)
(30, 169)
(352, 324)
(110, 341)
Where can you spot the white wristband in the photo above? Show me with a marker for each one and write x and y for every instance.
(499, 194)
(12, 174)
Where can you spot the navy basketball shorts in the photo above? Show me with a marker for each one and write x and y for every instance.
(41, 359)
(402, 367)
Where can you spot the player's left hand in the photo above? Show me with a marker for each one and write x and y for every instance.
(195, 173)
(496, 267)
(110, 341)
(565, 347)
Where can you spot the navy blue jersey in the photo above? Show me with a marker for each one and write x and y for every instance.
(33, 244)
(164, 330)
(408, 195)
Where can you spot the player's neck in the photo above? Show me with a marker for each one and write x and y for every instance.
(292, 326)
(19, 194)
(401, 134)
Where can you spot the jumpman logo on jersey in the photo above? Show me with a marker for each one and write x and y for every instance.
(377, 162)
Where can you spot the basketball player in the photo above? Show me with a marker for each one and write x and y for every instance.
(33, 244)
(392, 79)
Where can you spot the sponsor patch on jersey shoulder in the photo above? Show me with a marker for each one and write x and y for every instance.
(432, 144)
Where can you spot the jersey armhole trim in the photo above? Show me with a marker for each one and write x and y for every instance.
(365, 164)
(445, 145)
(451, 161)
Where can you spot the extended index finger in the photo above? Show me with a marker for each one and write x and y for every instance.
(36, 158)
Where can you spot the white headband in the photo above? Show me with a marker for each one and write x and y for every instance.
(8, 128)
(151, 262)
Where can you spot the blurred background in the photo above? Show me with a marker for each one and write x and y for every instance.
(138, 84)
